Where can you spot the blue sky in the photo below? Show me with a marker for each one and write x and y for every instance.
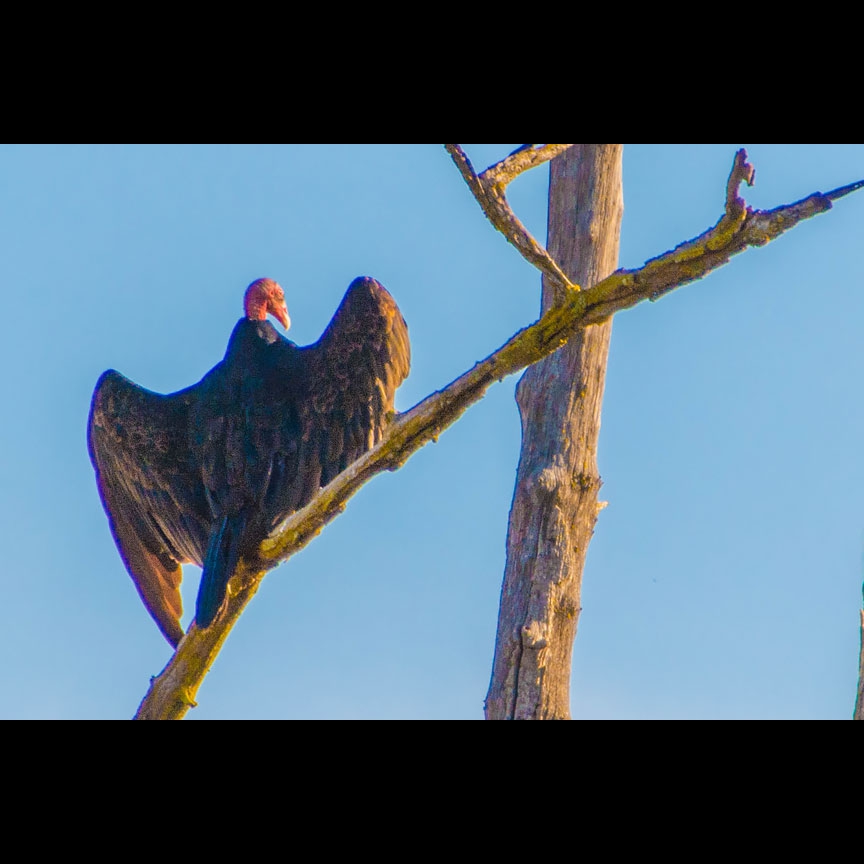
(725, 577)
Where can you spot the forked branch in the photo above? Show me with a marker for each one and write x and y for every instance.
(174, 691)
(490, 189)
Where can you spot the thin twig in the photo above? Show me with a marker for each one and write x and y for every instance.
(174, 691)
(466, 169)
(489, 190)
(837, 194)
(519, 161)
(742, 172)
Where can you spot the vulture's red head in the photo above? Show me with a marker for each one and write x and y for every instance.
(265, 297)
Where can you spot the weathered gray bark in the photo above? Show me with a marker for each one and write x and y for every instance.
(555, 506)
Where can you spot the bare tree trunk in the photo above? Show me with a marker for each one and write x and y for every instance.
(555, 505)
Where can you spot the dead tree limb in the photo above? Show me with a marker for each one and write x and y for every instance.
(173, 692)
(489, 188)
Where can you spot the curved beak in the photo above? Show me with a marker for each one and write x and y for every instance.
(280, 312)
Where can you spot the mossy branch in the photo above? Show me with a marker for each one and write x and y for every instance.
(174, 691)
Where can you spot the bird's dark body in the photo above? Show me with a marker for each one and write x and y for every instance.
(203, 475)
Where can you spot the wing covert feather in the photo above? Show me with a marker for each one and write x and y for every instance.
(351, 375)
(138, 446)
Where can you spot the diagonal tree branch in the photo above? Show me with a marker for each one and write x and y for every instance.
(174, 691)
(490, 189)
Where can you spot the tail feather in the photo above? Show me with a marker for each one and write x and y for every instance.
(223, 556)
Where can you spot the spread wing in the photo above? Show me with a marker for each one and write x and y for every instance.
(341, 395)
(152, 494)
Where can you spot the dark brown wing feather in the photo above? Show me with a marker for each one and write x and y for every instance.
(150, 489)
(279, 422)
(347, 385)
(202, 476)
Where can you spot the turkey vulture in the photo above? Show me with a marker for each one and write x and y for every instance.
(203, 475)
